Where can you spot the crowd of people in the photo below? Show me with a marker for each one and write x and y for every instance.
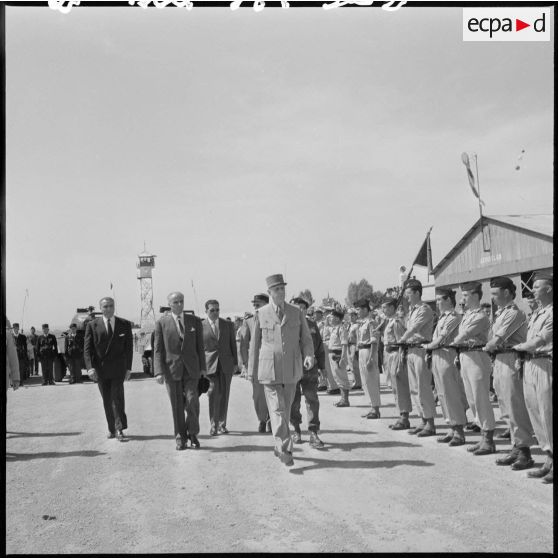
(464, 356)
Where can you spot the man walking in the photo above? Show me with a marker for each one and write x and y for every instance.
(47, 350)
(219, 340)
(108, 353)
(280, 342)
(308, 386)
(179, 361)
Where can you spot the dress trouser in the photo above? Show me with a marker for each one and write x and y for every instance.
(354, 366)
(449, 386)
(23, 370)
(260, 404)
(218, 395)
(112, 392)
(475, 371)
(308, 385)
(339, 371)
(74, 364)
(331, 383)
(183, 395)
(537, 387)
(279, 399)
(370, 376)
(36, 360)
(397, 370)
(420, 383)
(47, 368)
(508, 385)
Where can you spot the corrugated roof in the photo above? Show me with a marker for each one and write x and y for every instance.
(541, 223)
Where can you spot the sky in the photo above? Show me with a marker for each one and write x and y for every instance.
(321, 144)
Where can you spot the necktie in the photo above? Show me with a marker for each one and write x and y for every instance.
(181, 327)
(280, 313)
(109, 329)
(214, 326)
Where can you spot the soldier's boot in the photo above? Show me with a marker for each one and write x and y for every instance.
(549, 477)
(523, 461)
(344, 401)
(458, 436)
(402, 423)
(428, 430)
(544, 470)
(487, 443)
(447, 438)
(418, 428)
(297, 435)
(315, 441)
(510, 458)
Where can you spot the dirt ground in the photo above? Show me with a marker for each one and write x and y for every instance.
(70, 490)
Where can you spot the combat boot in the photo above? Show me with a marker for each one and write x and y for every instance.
(543, 471)
(487, 443)
(344, 401)
(428, 430)
(549, 477)
(458, 436)
(402, 423)
(524, 460)
(510, 458)
(447, 438)
(315, 441)
(418, 428)
(297, 435)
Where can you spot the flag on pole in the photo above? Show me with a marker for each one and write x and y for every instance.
(424, 256)
(471, 176)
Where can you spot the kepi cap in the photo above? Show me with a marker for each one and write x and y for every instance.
(44, 325)
(543, 276)
(15, 324)
(275, 280)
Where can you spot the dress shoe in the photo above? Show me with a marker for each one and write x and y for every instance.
(111, 435)
(356, 387)
(322, 388)
(549, 477)
(472, 427)
(510, 458)
(194, 442)
(445, 439)
(297, 437)
(401, 424)
(336, 391)
(213, 431)
(51, 383)
(222, 429)
(523, 461)
(505, 435)
(180, 444)
(315, 441)
(120, 436)
(261, 427)
(341, 403)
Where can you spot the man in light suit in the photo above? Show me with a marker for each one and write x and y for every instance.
(280, 341)
(179, 362)
(108, 354)
(219, 339)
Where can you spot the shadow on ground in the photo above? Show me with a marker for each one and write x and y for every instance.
(12, 435)
(317, 464)
(11, 456)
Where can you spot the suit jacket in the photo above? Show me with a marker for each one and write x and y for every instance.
(47, 346)
(221, 350)
(175, 359)
(12, 362)
(277, 348)
(111, 359)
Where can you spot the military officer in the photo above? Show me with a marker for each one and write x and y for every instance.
(367, 345)
(395, 365)
(21, 346)
(476, 365)
(320, 323)
(537, 379)
(339, 355)
(509, 329)
(419, 331)
(73, 351)
(47, 349)
(308, 385)
(332, 387)
(353, 351)
(258, 395)
(449, 386)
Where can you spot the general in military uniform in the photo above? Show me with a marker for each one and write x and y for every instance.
(73, 351)
(353, 366)
(47, 350)
(21, 347)
(537, 379)
(476, 365)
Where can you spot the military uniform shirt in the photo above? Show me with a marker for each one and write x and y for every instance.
(337, 338)
(510, 326)
(394, 330)
(419, 323)
(353, 332)
(447, 328)
(366, 334)
(474, 326)
(541, 326)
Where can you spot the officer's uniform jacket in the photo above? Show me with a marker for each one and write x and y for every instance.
(510, 326)
(474, 328)
(277, 348)
(447, 328)
(541, 326)
(366, 333)
(47, 346)
(394, 330)
(420, 323)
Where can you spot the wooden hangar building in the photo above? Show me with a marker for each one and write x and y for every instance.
(512, 245)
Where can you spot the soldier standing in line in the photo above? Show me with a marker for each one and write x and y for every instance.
(320, 323)
(21, 346)
(394, 364)
(476, 365)
(73, 351)
(332, 388)
(338, 356)
(353, 351)
(308, 385)
(446, 374)
(537, 378)
(47, 350)
(419, 331)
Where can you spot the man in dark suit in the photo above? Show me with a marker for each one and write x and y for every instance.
(221, 358)
(108, 353)
(21, 346)
(47, 350)
(179, 362)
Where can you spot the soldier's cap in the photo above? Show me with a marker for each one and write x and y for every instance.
(362, 303)
(444, 291)
(543, 276)
(261, 297)
(44, 325)
(338, 314)
(413, 284)
(275, 280)
(300, 300)
(15, 324)
(473, 286)
(502, 283)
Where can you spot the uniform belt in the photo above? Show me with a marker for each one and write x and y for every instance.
(391, 349)
(467, 349)
(364, 345)
(503, 351)
(351, 343)
(445, 347)
(533, 356)
(336, 351)
(415, 345)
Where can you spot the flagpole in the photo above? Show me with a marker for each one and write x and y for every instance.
(23, 309)
(485, 244)
(195, 298)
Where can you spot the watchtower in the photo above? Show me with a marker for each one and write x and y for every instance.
(145, 266)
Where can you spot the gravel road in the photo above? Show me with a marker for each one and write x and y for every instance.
(70, 490)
